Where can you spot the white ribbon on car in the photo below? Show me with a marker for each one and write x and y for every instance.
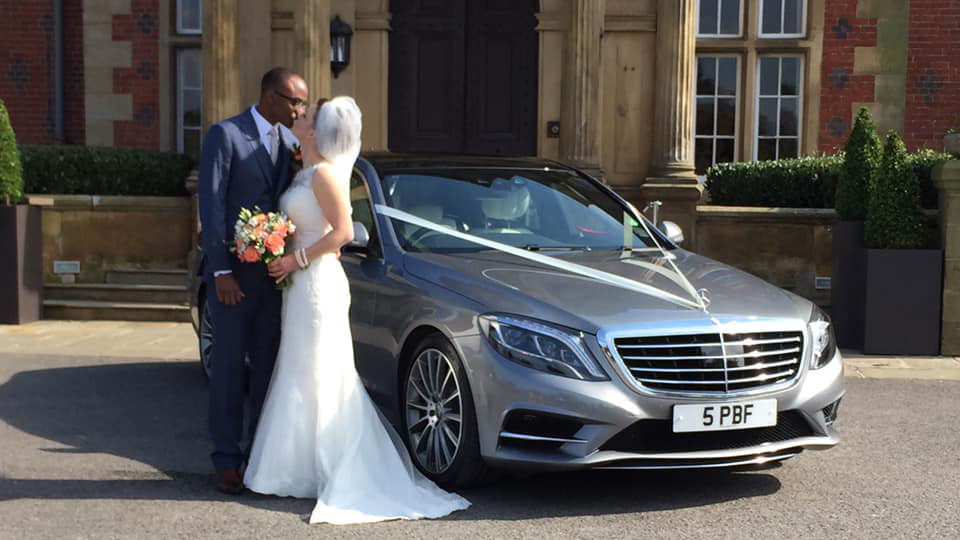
(605, 277)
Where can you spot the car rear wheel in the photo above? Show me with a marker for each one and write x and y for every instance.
(439, 419)
(205, 335)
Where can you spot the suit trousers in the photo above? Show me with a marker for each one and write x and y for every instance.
(249, 330)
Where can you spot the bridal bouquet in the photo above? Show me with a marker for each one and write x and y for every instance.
(261, 236)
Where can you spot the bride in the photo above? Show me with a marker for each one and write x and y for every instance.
(320, 436)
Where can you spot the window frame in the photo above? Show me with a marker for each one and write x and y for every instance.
(738, 110)
(801, 94)
(804, 9)
(179, 19)
(179, 87)
(718, 35)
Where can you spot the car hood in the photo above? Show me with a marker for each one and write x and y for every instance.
(505, 283)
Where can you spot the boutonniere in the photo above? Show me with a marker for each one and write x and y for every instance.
(296, 160)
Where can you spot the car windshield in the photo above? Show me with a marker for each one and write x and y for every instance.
(537, 209)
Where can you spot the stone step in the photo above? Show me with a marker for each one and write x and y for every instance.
(79, 310)
(147, 276)
(117, 293)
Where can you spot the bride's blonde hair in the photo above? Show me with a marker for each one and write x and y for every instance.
(337, 125)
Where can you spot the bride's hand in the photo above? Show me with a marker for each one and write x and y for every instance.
(282, 267)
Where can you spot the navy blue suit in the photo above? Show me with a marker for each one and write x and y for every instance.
(236, 172)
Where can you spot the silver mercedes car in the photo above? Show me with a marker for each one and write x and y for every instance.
(515, 313)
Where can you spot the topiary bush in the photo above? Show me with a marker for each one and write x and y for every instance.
(808, 182)
(11, 170)
(89, 170)
(860, 163)
(893, 219)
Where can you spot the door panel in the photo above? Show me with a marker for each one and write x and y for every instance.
(463, 77)
(501, 92)
(427, 45)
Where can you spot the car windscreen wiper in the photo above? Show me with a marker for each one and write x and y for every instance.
(538, 247)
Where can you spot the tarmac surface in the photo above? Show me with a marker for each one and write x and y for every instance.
(103, 435)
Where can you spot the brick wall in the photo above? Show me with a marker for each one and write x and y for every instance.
(141, 28)
(933, 72)
(27, 69)
(840, 88)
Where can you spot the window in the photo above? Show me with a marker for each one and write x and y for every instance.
(716, 114)
(778, 107)
(189, 101)
(189, 16)
(782, 18)
(718, 18)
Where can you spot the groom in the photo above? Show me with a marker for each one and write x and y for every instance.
(245, 163)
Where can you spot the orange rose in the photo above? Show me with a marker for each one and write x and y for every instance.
(274, 243)
(281, 230)
(250, 255)
(257, 233)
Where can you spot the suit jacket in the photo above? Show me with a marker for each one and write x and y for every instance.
(236, 172)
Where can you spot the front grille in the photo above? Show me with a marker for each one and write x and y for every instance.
(657, 436)
(712, 363)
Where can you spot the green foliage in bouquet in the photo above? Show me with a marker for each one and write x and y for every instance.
(894, 220)
(861, 160)
(11, 170)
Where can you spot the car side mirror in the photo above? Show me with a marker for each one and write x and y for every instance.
(361, 239)
(672, 230)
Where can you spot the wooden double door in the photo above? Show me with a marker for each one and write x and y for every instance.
(463, 77)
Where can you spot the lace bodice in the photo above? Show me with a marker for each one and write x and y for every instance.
(300, 203)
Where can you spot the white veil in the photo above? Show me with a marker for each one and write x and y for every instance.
(337, 126)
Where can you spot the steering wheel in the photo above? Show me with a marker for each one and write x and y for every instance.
(424, 232)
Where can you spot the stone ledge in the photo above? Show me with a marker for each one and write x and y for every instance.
(111, 202)
(765, 213)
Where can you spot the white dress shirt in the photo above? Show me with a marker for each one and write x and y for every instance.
(263, 129)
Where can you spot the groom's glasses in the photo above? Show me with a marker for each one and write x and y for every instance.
(295, 101)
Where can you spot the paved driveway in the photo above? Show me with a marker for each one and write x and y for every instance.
(102, 435)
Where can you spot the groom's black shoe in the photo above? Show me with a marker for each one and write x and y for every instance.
(229, 481)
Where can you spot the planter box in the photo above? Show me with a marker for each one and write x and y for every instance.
(21, 270)
(902, 313)
(951, 143)
(848, 285)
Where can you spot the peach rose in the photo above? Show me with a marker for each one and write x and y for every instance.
(274, 243)
(250, 255)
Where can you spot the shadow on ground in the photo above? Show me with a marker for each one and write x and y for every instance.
(155, 414)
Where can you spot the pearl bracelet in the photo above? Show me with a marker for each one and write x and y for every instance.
(301, 256)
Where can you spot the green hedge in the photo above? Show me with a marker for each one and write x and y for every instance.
(808, 182)
(90, 170)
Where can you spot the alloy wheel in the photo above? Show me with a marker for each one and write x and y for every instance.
(206, 340)
(433, 411)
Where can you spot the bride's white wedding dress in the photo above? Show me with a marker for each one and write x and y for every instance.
(320, 435)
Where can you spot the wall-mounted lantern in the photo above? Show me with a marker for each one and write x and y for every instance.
(340, 33)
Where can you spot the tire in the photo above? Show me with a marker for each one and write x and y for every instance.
(205, 338)
(434, 394)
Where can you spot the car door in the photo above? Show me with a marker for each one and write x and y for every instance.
(365, 270)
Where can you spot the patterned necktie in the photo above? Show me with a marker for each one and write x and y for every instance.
(274, 144)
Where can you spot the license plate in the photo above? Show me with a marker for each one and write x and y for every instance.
(724, 416)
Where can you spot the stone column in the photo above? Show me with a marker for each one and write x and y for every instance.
(221, 61)
(580, 120)
(673, 180)
(676, 69)
(946, 177)
(312, 33)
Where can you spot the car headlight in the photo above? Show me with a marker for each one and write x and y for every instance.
(541, 347)
(822, 340)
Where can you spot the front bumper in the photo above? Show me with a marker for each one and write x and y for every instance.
(533, 420)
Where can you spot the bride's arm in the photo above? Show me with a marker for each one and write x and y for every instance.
(335, 204)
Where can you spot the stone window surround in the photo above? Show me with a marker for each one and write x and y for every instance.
(749, 47)
(169, 44)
